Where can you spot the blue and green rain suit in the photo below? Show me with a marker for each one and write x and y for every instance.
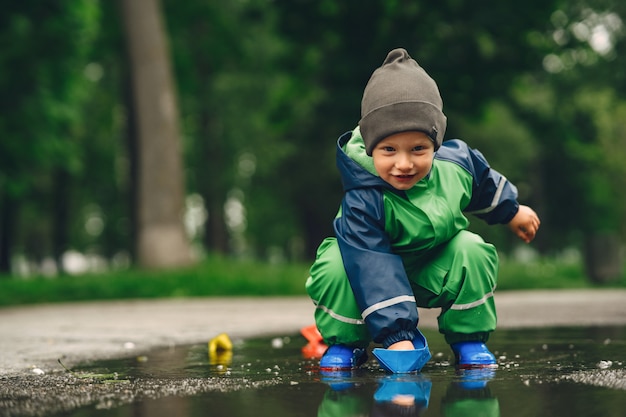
(396, 250)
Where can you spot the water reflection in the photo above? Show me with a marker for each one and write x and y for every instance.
(404, 395)
(470, 399)
(407, 395)
(556, 372)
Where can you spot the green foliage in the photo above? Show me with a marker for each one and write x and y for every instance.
(266, 87)
(40, 107)
(573, 108)
(232, 88)
(42, 117)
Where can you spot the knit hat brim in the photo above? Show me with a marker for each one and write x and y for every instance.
(403, 116)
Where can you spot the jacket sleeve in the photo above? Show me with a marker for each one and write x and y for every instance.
(377, 276)
(494, 198)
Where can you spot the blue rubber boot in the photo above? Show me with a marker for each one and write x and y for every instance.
(473, 354)
(341, 357)
(338, 380)
(474, 378)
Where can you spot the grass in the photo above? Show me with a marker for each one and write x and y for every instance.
(543, 274)
(218, 276)
(215, 276)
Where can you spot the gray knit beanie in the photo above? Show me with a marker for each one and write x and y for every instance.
(399, 97)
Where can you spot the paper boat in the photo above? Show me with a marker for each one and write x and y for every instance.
(404, 361)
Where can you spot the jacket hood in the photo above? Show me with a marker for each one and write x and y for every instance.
(353, 174)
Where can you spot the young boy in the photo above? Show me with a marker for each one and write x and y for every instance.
(400, 234)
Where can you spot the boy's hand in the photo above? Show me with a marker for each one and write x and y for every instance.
(525, 223)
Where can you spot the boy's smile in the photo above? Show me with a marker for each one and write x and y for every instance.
(403, 159)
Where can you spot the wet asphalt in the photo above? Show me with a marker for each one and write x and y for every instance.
(34, 338)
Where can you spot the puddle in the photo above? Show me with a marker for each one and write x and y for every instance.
(554, 372)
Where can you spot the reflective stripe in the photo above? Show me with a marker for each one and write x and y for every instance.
(475, 303)
(339, 317)
(496, 198)
(387, 303)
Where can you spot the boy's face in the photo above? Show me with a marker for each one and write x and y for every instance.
(404, 159)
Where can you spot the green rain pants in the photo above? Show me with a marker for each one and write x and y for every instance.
(458, 276)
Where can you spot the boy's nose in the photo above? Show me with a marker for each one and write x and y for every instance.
(404, 162)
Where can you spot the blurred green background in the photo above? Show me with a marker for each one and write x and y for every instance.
(162, 148)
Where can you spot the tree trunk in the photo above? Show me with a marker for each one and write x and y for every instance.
(60, 217)
(7, 220)
(161, 239)
(211, 182)
(130, 137)
(603, 257)
(216, 235)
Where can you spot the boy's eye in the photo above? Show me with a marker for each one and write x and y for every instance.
(419, 148)
(388, 148)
